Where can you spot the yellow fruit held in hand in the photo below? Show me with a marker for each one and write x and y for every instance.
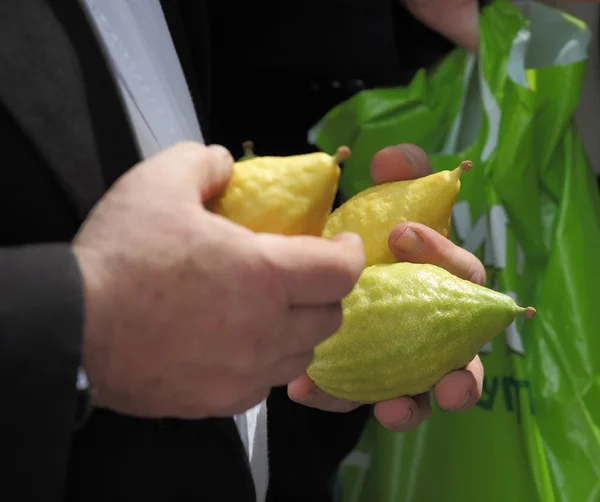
(406, 326)
(374, 212)
(281, 195)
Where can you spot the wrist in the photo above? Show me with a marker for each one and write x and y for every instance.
(91, 374)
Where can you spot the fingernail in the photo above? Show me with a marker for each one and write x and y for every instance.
(409, 242)
(406, 420)
(463, 404)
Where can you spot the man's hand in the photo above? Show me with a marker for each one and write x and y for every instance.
(416, 243)
(189, 315)
(457, 20)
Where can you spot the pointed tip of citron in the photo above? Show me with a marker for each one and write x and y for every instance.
(341, 154)
(465, 166)
(529, 312)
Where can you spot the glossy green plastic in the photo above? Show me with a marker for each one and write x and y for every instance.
(530, 210)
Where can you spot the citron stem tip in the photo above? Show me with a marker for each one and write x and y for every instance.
(465, 165)
(342, 153)
(248, 147)
(530, 312)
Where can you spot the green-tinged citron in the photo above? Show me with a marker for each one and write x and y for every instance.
(374, 212)
(406, 326)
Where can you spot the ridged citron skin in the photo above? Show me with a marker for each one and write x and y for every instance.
(374, 212)
(281, 195)
(406, 326)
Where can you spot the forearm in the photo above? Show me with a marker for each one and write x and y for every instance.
(41, 319)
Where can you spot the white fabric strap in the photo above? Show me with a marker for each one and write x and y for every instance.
(136, 39)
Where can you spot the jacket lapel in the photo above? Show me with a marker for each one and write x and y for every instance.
(58, 88)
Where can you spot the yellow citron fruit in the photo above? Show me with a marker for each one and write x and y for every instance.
(281, 195)
(406, 326)
(374, 212)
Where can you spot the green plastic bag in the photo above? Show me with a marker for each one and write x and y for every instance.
(530, 210)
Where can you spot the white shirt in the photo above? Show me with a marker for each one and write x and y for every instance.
(137, 42)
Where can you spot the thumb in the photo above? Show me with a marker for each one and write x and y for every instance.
(190, 170)
(457, 20)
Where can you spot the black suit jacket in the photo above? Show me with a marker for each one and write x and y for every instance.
(64, 139)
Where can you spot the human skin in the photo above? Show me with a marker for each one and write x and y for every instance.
(458, 20)
(412, 242)
(189, 315)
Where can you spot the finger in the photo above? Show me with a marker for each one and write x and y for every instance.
(461, 389)
(457, 20)
(416, 243)
(309, 326)
(217, 170)
(315, 271)
(305, 392)
(424, 403)
(397, 163)
(293, 367)
(191, 170)
(403, 413)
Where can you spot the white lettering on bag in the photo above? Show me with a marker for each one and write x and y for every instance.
(489, 231)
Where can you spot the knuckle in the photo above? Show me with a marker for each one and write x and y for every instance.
(191, 155)
(270, 278)
(482, 274)
(448, 260)
(220, 152)
(460, 262)
(349, 264)
(476, 271)
(191, 150)
(347, 274)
